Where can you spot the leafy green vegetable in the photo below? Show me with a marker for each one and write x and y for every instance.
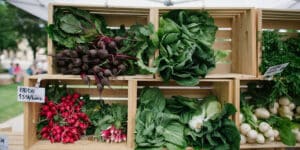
(141, 41)
(168, 126)
(186, 38)
(277, 51)
(56, 91)
(72, 27)
(155, 128)
(284, 126)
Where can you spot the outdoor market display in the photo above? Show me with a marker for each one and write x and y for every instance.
(159, 84)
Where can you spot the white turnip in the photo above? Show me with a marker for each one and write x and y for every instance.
(269, 133)
(262, 113)
(260, 139)
(243, 139)
(245, 128)
(284, 101)
(263, 127)
(252, 134)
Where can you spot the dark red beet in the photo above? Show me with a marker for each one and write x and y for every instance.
(76, 71)
(80, 50)
(84, 67)
(105, 81)
(100, 87)
(102, 53)
(107, 73)
(74, 54)
(66, 52)
(59, 55)
(100, 74)
(113, 44)
(101, 44)
(77, 62)
(61, 63)
(115, 71)
(85, 58)
(70, 66)
(115, 62)
(90, 72)
(124, 57)
(92, 53)
(96, 69)
(122, 67)
(118, 39)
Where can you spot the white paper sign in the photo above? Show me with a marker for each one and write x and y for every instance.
(3, 142)
(275, 70)
(31, 94)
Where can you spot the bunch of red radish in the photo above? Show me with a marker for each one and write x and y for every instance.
(100, 59)
(113, 135)
(66, 121)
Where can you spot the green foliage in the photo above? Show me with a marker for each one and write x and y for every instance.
(8, 34)
(16, 25)
(168, 126)
(73, 27)
(284, 126)
(186, 38)
(55, 91)
(276, 51)
(141, 41)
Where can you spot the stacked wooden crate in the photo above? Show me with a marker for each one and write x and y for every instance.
(238, 32)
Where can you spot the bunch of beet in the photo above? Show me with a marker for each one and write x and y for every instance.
(113, 135)
(65, 120)
(100, 59)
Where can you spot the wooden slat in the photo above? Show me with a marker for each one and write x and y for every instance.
(187, 93)
(221, 69)
(235, 43)
(78, 78)
(259, 38)
(223, 22)
(223, 90)
(236, 101)
(132, 106)
(116, 21)
(105, 93)
(280, 24)
(225, 34)
(154, 19)
(246, 58)
(79, 145)
(50, 47)
(222, 45)
(267, 145)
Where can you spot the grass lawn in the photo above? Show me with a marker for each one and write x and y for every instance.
(9, 106)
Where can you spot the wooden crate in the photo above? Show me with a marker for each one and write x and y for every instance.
(276, 19)
(114, 17)
(241, 86)
(122, 92)
(222, 88)
(15, 139)
(236, 32)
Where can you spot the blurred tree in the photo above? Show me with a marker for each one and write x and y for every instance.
(8, 33)
(17, 24)
(31, 28)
